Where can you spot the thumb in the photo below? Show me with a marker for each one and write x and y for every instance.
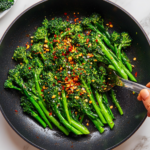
(144, 94)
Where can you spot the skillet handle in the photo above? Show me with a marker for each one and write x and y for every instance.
(133, 86)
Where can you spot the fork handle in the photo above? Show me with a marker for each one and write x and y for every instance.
(132, 86)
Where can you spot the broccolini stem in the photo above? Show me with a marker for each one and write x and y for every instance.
(64, 121)
(104, 110)
(126, 61)
(115, 101)
(65, 105)
(107, 41)
(52, 119)
(37, 85)
(102, 29)
(93, 102)
(102, 35)
(112, 59)
(123, 56)
(82, 117)
(112, 67)
(36, 78)
(119, 52)
(98, 126)
(107, 105)
(130, 75)
(99, 121)
(38, 108)
(79, 126)
(36, 116)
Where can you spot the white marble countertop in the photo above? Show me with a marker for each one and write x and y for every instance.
(9, 140)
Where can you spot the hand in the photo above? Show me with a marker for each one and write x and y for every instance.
(144, 96)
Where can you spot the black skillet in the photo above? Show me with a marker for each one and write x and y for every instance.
(134, 111)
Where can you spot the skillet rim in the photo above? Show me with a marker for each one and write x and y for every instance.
(42, 1)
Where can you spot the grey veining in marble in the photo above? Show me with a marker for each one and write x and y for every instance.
(143, 143)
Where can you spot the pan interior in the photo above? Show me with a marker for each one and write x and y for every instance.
(134, 111)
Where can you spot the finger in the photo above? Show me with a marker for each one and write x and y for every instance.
(139, 97)
(148, 114)
(145, 96)
(148, 84)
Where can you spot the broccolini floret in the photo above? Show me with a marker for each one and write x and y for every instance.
(20, 54)
(5, 4)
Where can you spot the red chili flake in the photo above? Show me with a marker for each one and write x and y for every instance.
(75, 16)
(110, 22)
(53, 84)
(42, 90)
(63, 54)
(65, 14)
(68, 29)
(70, 49)
(59, 81)
(59, 93)
(80, 73)
(136, 74)
(96, 40)
(63, 87)
(87, 40)
(79, 35)
(50, 114)
(16, 110)
(55, 36)
(78, 45)
(31, 44)
(66, 79)
(55, 57)
(111, 85)
(80, 93)
(26, 45)
(29, 68)
(54, 40)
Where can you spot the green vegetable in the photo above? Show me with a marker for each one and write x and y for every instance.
(115, 101)
(5, 4)
(29, 108)
(104, 110)
(105, 101)
(62, 75)
(65, 106)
